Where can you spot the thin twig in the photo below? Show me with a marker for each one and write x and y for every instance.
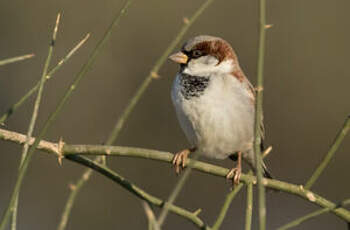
(15, 106)
(15, 59)
(249, 208)
(175, 192)
(259, 114)
(293, 189)
(12, 207)
(130, 107)
(227, 203)
(333, 149)
(311, 215)
(152, 222)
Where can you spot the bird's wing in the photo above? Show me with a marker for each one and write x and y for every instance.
(239, 74)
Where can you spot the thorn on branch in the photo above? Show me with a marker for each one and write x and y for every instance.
(155, 75)
(186, 20)
(72, 187)
(268, 26)
(259, 89)
(267, 152)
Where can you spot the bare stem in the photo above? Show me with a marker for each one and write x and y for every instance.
(176, 191)
(15, 59)
(249, 208)
(227, 203)
(152, 221)
(311, 215)
(293, 189)
(328, 157)
(12, 207)
(15, 106)
(259, 114)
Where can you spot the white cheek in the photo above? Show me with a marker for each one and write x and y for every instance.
(208, 65)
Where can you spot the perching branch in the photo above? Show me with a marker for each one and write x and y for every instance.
(65, 150)
(334, 147)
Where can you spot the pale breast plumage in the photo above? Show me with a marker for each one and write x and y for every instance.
(218, 118)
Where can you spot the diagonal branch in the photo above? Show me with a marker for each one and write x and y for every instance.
(297, 190)
(336, 144)
(312, 215)
(227, 203)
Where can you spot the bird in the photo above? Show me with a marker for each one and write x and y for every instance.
(215, 104)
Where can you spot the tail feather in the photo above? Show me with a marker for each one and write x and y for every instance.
(266, 172)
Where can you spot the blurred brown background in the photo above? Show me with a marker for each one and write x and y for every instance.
(306, 101)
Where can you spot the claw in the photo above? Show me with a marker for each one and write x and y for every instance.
(180, 159)
(235, 173)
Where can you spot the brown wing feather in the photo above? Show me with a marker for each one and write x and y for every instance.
(238, 73)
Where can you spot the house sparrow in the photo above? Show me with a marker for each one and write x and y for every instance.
(214, 103)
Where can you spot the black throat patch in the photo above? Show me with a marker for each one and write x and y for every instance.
(192, 86)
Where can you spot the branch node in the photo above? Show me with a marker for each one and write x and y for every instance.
(196, 213)
(311, 196)
(60, 150)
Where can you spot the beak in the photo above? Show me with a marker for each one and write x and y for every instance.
(179, 57)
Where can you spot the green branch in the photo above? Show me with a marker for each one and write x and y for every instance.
(227, 203)
(12, 207)
(249, 208)
(334, 147)
(15, 59)
(259, 114)
(53, 148)
(311, 215)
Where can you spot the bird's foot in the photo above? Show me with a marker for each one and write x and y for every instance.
(234, 174)
(180, 159)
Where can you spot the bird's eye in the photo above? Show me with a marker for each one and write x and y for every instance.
(196, 53)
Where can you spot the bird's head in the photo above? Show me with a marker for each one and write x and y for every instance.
(206, 55)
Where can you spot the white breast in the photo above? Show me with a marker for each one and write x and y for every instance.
(221, 120)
